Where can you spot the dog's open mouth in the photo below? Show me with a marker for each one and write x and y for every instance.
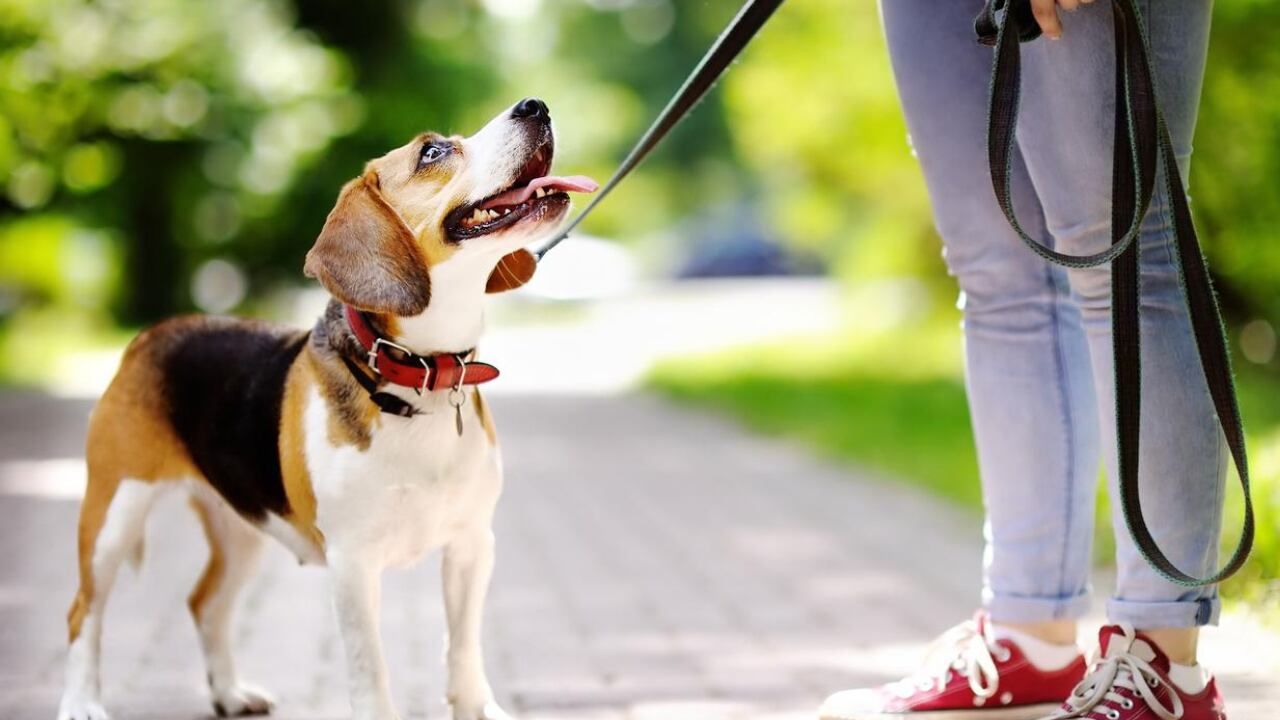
(532, 195)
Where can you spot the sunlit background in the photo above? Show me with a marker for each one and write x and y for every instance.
(168, 156)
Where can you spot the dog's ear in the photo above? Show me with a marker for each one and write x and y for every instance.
(512, 271)
(366, 256)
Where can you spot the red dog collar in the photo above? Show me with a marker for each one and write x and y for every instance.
(407, 369)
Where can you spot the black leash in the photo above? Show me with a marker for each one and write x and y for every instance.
(727, 47)
(1142, 142)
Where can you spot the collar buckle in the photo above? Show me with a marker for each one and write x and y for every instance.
(372, 356)
(373, 361)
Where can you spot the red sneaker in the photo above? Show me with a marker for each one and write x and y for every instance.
(1129, 679)
(967, 675)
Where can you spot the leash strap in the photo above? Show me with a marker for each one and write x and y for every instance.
(726, 49)
(1142, 143)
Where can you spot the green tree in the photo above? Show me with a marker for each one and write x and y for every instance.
(170, 124)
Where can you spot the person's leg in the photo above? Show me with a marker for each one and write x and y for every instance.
(1030, 398)
(1065, 135)
(1027, 372)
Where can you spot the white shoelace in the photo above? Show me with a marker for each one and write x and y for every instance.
(965, 650)
(1120, 669)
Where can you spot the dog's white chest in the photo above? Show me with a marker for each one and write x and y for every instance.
(407, 520)
(416, 484)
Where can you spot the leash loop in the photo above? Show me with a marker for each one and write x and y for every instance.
(1133, 144)
(1142, 145)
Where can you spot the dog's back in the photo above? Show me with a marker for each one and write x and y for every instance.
(199, 397)
(222, 385)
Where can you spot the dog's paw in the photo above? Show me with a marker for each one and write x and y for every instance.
(242, 699)
(78, 709)
(480, 711)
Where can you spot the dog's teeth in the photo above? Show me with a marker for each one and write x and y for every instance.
(539, 193)
(493, 214)
(506, 210)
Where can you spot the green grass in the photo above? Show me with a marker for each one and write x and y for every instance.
(910, 421)
(894, 401)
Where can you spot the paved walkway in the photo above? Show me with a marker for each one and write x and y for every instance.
(653, 563)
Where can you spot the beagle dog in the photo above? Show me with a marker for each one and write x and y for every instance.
(360, 444)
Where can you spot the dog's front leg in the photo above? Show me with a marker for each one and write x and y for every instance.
(357, 584)
(468, 564)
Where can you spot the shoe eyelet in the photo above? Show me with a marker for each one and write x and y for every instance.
(1127, 704)
(1113, 714)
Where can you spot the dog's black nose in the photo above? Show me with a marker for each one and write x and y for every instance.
(531, 108)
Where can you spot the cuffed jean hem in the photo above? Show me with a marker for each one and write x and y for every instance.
(1177, 614)
(1029, 609)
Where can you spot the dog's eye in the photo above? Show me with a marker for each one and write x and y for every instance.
(431, 152)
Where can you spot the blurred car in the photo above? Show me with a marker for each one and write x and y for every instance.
(733, 241)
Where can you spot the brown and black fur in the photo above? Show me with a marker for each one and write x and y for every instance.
(222, 386)
(219, 400)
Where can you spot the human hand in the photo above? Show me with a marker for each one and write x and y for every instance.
(1046, 13)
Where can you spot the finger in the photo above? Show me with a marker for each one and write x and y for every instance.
(1070, 5)
(1046, 13)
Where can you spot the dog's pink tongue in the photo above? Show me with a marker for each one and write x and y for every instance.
(550, 183)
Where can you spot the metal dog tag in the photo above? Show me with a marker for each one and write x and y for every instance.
(458, 398)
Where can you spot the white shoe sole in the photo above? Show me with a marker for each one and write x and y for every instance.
(1024, 712)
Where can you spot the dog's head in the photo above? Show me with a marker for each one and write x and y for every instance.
(444, 199)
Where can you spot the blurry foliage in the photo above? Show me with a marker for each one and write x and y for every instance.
(192, 150)
(815, 117)
(813, 114)
(1236, 166)
(158, 156)
(164, 129)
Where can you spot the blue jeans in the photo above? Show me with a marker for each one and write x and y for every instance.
(1038, 364)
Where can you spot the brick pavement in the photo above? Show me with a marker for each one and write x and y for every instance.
(652, 563)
